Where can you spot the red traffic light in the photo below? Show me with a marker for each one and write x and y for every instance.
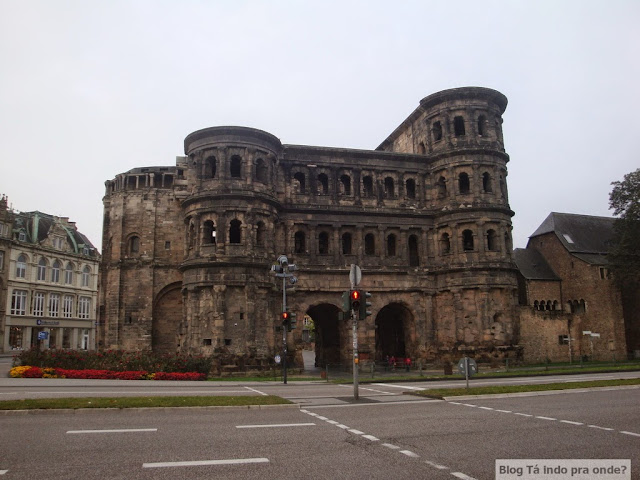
(285, 315)
(355, 295)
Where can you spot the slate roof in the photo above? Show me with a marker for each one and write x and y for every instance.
(532, 265)
(585, 236)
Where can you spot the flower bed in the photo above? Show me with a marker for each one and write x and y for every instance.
(37, 372)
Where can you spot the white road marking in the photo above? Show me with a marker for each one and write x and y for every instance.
(391, 446)
(197, 463)
(523, 414)
(455, 403)
(357, 432)
(406, 387)
(381, 404)
(630, 433)
(321, 418)
(121, 430)
(277, 425)
(409, 453)
(503, 411)
(571, 423)
(486, 408)
(2, 472)
(344, 427)
(469, 405)
(462, 476)
(333, 422)
(257, 391)
(600, 428)
(546, 418)
(435, 465)
(371, 437)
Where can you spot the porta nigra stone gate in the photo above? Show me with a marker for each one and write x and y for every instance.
(188, 248)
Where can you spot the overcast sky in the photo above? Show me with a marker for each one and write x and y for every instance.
(90, 89)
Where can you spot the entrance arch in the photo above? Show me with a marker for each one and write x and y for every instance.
(394, 324)
(328, 338)
(167, 315)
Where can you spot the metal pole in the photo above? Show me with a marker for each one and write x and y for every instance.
(284, 331)
(355, 354)
(466, 370)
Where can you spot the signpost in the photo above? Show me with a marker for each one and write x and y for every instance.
(355, 276)
(283, 270)
(467, 367)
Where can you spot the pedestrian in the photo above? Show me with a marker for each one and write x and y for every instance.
(392, 361)
(407, 363)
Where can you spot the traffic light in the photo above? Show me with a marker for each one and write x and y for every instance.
(346, 302)
(364, 305)
(292, 321)
(354, 296)
(285, 319)
(288, 320)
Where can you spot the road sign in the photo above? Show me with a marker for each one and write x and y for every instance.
(355, 275)
(470, 364)
(277, 359)
(43, 335)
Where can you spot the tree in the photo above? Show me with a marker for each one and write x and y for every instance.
(624, 255)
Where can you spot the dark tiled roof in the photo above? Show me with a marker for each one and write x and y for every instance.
(580, 234)
(532, 265)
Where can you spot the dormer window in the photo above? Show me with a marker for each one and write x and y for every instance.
(58, 243)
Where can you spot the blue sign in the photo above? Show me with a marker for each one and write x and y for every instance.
(43, 335)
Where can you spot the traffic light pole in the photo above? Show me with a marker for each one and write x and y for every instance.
(284, 331)
(354, 317)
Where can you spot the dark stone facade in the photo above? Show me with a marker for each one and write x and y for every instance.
(188, 249)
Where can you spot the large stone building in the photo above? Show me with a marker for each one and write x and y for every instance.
(187, 249)
(48, 282)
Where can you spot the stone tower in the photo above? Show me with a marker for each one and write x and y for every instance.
(426, 215)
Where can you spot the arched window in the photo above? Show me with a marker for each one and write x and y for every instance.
(422, 149)
(345, 185)
(492, 240)
(299, 182)
(323, 184)
(445, 244)
(414, 255)
(210, 167)
(42, 269)
(235, 167)
(134, 245)
(458, 126)
(482, 125)
(391, 245)
(410, 187)
(548, 305)
(441, 187)
(369, 244)
(323, 243)
(437, 131)
(486, 183)
(235, 232)
(208, 233)
(68, 274)
(367, 186)
(55, 272)
(389, 188)
(261, 171)
(467, 240)
(21, 266)
(192, 235)
(86, 276)
(346, 243)
(463, 183)
(555, 305)
(536, 306)
(260, 233)
(299, 242)
(582, 306)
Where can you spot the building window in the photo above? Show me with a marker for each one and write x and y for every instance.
(410, 187)
(58, 243)
(458, 126)
(261, 171)
(367, 186)
(563, 339)
(42, 270)
(54, 304)
(4, 230)
(235, 168)
(67, 306)
(391, 245)
(463, 183)
(22, 236)
(210, 167)
(482, 123)
(323, 243)
(68, 274)
(299, 241)
(445, 244)
(15, 338)
(235, 231)
(605, 274)
(369, 244)
(441, 187)
(19, 302)
(323, 184)
(86, 276)
(486, 183)
(299, 184)
(260, 233)
(389, 188)
(66, 338)
(167, 245)
(55, 272)
(414, 255)
(208, 233)
(467, 240)
(21, 266)
(38, 304)
(134, 245)
(345, 185)
(492, 240)
(84, 307)
(346, 243)
(1, 259)
(85, 251)
(437, 131)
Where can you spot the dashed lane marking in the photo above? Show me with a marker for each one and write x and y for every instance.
(120, 430)
(277, 425)
(409, 453)
(198, 463)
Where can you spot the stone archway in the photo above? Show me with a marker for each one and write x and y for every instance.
(394, 324)
(328, 338)
(167, 316)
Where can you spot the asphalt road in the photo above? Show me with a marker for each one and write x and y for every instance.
(428, 439)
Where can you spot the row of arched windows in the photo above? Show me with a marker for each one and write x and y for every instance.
(236, 168)
(468, 243)
(545, 305)
(55, 273)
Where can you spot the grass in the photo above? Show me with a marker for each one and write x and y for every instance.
(501, 389)
(140, 402)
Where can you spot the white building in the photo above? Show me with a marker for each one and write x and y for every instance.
(49, 283)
